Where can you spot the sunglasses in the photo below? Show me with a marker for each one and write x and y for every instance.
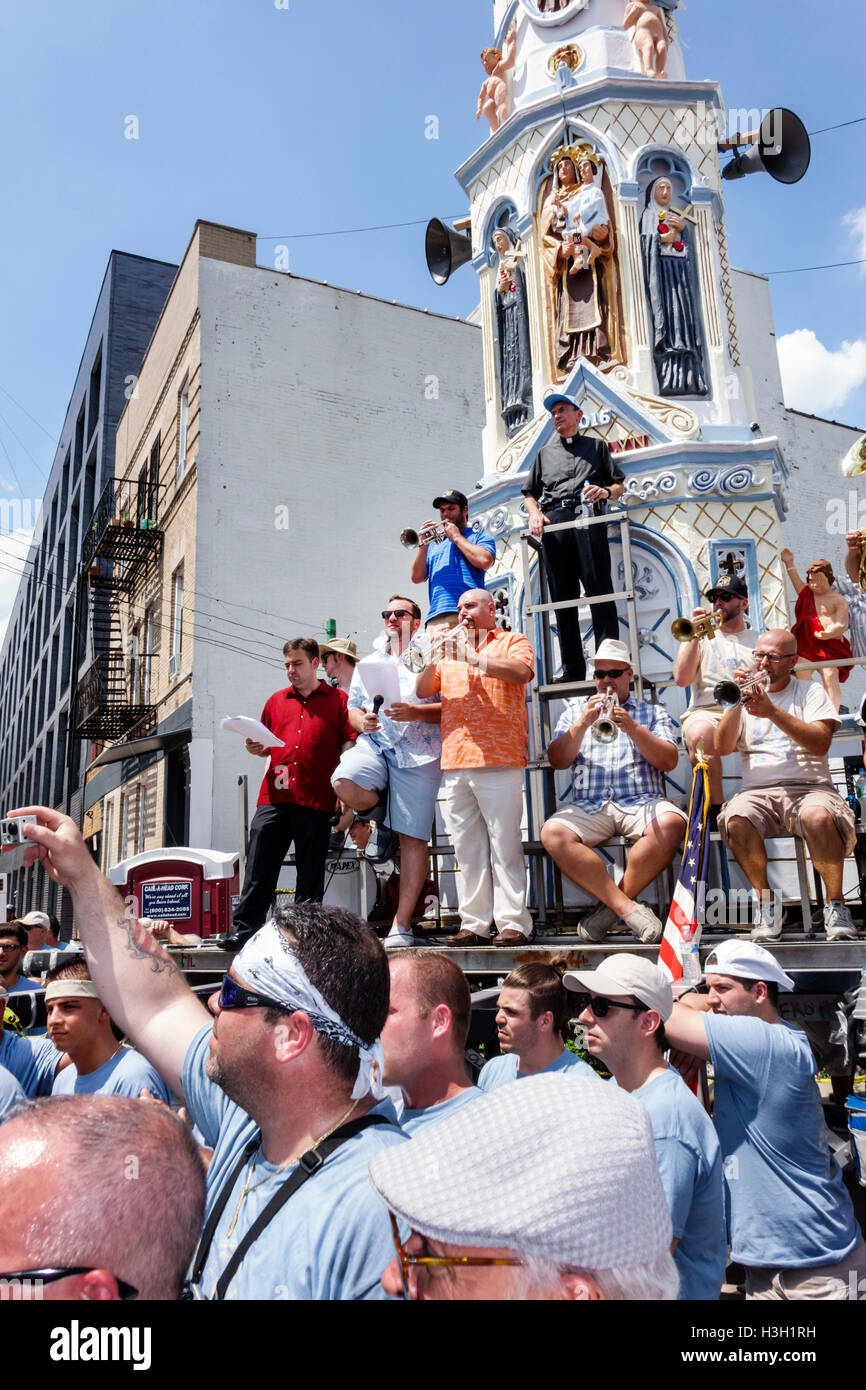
(614, 675)
(406, 1260)
(397, 613)
(235, 996)
(50, 1276)
(599, 1005)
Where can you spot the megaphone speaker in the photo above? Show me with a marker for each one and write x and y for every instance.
(783, 150)
(446, 250)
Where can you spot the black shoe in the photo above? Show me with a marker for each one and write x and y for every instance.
(713, 815)
(568, 678)
(375, 813)
(232, 941)
(337, 842)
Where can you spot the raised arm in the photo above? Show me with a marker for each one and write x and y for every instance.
(137, 980)
(853, 552)
(787, 557)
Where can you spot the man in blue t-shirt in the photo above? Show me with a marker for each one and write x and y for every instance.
(453, 565)
(282, 1078)
(791, 1221)
(623, 1006)
(424, 1039)
(79, 1025)
(530, 1022)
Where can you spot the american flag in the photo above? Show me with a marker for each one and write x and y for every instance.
(682, 926)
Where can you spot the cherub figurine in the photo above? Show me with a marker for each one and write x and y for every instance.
(821, 617)
(493, 97)
(649, 36)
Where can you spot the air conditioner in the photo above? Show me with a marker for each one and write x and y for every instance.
(173, 666)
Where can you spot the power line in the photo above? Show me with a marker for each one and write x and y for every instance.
(37, 466)
(802, 269)
(351, 231)
(27, 413)
(858, 120)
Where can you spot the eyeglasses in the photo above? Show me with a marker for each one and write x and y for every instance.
(50, 1276)
(770, 656)
(235, 996)
(601, 1006)
(397, 613)
(614, 675)
(406, 1260)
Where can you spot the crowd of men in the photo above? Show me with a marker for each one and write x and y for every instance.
(314, 1132)
(333, 1144)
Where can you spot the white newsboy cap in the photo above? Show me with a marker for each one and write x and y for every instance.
(576, 1177)
(745, 960)
(626, 973)
(609, 650)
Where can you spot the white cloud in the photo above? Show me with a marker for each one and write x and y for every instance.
(814, 379)
(856, 223)
(13, 554)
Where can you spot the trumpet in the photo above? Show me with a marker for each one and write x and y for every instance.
(729, 694)
(604, 729)
(428, 535)
(690, 629)
(424, 651)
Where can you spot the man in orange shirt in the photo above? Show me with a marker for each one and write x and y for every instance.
(484, 746)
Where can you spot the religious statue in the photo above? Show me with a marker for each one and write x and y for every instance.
(671, 290)
(649, 36)
(512, 331)
(578, 250)
(493, 97)
(820, 619)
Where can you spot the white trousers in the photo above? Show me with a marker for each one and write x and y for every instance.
(482, 812)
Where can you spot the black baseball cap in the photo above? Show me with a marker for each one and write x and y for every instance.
(729, 587)
(452, 495)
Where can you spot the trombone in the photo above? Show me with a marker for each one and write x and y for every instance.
(428, 535)
(729, 694)
(690, 629)
(604, 729)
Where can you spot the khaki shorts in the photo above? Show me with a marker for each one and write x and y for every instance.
(844, 1280)
(594, 827)
(776, 811)
(711, 714)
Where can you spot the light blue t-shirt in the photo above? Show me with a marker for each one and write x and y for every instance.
(24, 986)
(10, 1093)
(332, 1240)
(788, 1207)
(690, 1164)
(500, 1070)
(31, 1061)
(413, 1120)
(449, 573)
(127, 1073)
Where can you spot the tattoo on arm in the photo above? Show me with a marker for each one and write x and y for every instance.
(140, 943)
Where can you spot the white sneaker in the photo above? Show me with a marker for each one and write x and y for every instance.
(837, 922)
(645, 925)
(595, 926)
(766, 927)
(397, 937)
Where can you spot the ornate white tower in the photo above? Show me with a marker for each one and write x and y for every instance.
(598, 237)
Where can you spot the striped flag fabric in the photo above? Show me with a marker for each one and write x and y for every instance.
(682, 927)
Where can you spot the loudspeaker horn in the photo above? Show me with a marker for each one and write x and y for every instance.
(445, 249)
(781, 149)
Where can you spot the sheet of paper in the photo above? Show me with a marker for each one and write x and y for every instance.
(251, 728)
(379, 677)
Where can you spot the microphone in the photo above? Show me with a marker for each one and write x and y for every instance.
(378, 702)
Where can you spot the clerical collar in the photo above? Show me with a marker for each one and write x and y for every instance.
(570, 441)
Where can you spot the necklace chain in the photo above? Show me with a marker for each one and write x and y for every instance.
(250, 1186)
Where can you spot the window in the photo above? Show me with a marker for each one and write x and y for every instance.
(153, 483)
(124, 827)
(147, 657)
(176, 620)
(183, 426)
(134, 665)
(141, 819)
(108, 836)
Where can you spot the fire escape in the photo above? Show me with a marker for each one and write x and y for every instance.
(120, 550)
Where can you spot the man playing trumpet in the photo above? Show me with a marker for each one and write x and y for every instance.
(617, 788)
(783, 734)
(455, 563)
(705, 662)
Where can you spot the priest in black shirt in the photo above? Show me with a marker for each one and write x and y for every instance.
(578, 560)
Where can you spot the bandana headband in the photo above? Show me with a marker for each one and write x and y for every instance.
(71, 989)
(268, 962)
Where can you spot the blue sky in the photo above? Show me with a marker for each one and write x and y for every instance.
(312, 118)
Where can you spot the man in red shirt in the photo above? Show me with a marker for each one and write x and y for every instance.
(296, 799)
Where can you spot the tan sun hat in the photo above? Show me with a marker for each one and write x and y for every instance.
(339, 646)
